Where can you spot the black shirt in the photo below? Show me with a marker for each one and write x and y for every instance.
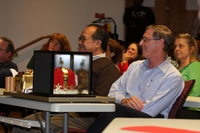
(136, 19)
(5, 71)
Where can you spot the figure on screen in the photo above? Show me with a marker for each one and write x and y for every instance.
(64, 79)
(83, 75)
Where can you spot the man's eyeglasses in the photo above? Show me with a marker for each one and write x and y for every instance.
(81, 38)
(147, 39)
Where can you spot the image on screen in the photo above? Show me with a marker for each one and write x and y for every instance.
(71, 73)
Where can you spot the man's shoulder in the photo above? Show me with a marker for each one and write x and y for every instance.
(12, 63)
(104, 62)
(138, 62)
(9, 64)
(105, 66)
(169, 69)
(103, 59)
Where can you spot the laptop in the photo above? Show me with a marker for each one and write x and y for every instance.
(62, 74)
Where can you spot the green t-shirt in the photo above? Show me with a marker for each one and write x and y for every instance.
(190, 72)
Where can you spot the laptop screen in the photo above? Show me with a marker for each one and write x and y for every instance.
(59, 72)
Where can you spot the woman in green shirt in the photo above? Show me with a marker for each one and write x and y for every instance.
(186, 52)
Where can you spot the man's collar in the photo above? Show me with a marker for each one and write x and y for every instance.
(99, 56)
(162, 66)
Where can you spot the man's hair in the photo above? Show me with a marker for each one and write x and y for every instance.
(162, 32)
(100, 34)
(10, 47)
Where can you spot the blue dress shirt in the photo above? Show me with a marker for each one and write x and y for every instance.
(158, 87)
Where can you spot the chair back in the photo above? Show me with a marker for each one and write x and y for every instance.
(181, 99)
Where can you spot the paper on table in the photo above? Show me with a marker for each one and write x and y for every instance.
(14, 72)
(157, 129)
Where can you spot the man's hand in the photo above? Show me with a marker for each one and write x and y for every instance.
(133, 102)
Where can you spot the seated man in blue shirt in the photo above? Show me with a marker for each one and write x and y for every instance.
(150, 87)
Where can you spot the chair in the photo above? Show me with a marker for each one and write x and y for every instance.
(181, 99)
(71, 130)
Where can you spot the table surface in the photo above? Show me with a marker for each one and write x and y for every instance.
(57, 107)
(115, 125)
(192, 102)
(63, 107)
(142, 125)
(63, 98)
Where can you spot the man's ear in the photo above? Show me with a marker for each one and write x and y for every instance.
(161, 43)
(98, 43)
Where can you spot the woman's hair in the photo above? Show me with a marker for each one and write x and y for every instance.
(116, 48)
(65, 46)
(191, 42)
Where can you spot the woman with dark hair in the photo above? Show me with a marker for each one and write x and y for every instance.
(114, 51)
(57, 42)
(133, 53)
